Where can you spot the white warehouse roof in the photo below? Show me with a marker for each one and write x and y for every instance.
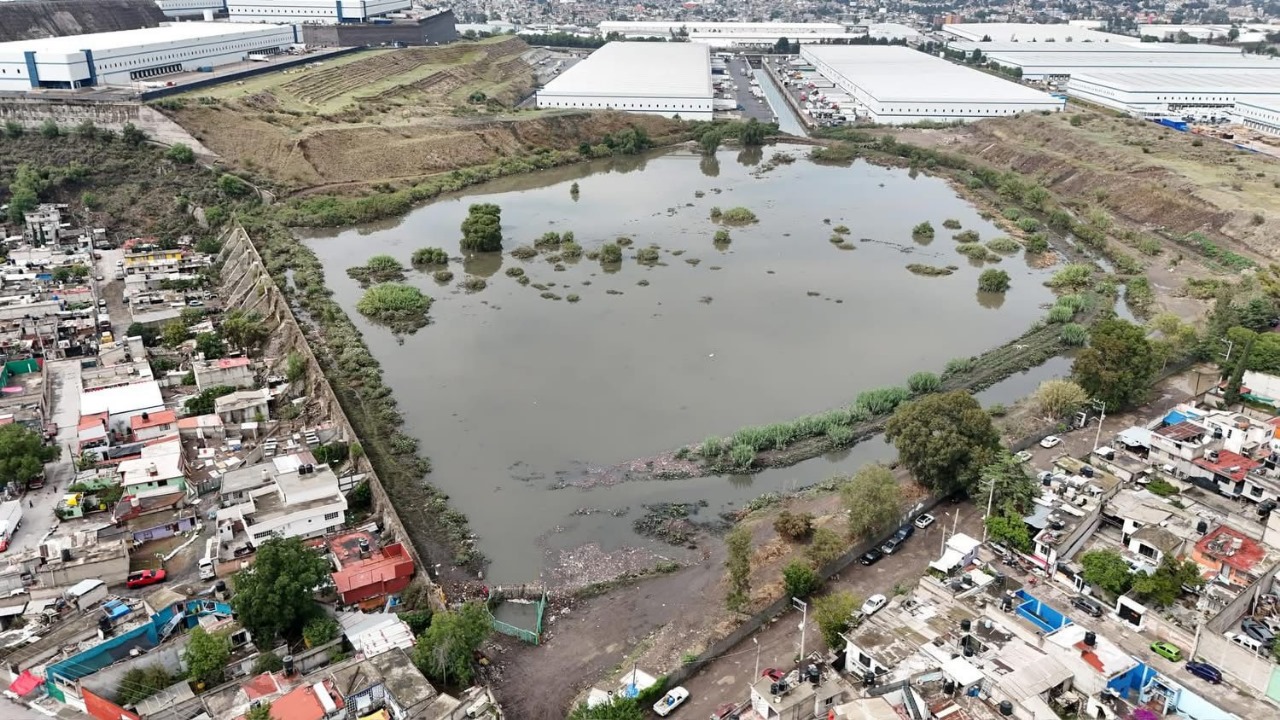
(1070, 63)
(1195, 81)
(1026, 32)
(899, 74)
(639, 69)
(100, 42)
(1121, 45)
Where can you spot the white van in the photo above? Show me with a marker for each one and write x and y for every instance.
(1246, 642)
(209, 562)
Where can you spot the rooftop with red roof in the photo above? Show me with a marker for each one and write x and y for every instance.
(1229, 464)
(304, 703)
(385, 571)
(225, 363)
(1231, 548)
(148, 420)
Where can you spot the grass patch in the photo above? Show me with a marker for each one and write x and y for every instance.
(929, 270)
(1004, 245)
(975, 251)
(740, 216)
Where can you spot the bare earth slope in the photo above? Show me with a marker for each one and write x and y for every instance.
(32, 19)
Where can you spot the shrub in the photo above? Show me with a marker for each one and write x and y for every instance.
(716, 213)
(610, 253)
(951, 224)
(181, 153)
(570, 250)
(1004, 245)
(548, 239)
(993, 281)
(482, 228)
(430, 256)
(923, 382)
(742, 456)
(1072, 277)
(721, 237)
(794, 526)
(1011, 213)
(1059, 314)
(800, 579)
(647, 256)
(959, 365)
(1029, 224)
(739, 216)
(967, 236)
(923, 231)
(1074, 334)
(232, 186)
(1036, 243)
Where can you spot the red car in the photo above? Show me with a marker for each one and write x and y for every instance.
(726, 711)
(773, 674)
(143, 578)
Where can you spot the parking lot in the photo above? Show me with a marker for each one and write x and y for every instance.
(752, 107)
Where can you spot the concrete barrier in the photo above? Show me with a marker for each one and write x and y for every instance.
(33, 111)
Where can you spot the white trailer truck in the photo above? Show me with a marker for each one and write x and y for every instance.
(10, 521)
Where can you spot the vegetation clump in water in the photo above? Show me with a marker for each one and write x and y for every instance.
(967, 236)
(993, 281)
(403, 308)
(977, 252)
(442, 276)
(472, 283)
(1004, 245)
(430, 256)
(379, 268)
(951, 224)
(610, 253)
(482, 229)
(923, 231)
(647, 256)
(524, 252)
(739, 216)
(722, 237)
(929, 270)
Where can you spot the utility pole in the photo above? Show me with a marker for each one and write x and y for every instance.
(803, 607)
(1226, 357)
(756, 640)
(991, 498)
(1102, 408)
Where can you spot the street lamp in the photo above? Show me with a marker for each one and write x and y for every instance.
(803, 607)
(756, 640)
(1102, 408)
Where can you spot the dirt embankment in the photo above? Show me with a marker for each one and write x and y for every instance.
(36, 19)
(388, 116)
(1161, 180)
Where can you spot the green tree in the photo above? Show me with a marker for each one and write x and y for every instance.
(1059, 398)
(1005, 483)
(825, 546)
(87, 130)
(1107, 569)
(49, 129)
(180, 153)
(1231, 396)
(1118, 366)
(794, 526)
(738, 563)
(1164, 586)
(832, 613)
(131, 135)
(207, 655)
(482, 229)
(320, 631)
(22, 200)
(267, 662)
(709, 142)
(202, 404)
(274, 597)
(211, 346)
(261, 712)
(245, 330)
(140, 683)
(13, 129)
(617, 708)
(800, 579)
(752, 134)
(173, 334)
(445, 651)
(1008, 528)
(232, 186)
(22, 454)
(872, 500)
(944, 439)
(993, 281)
(782, 47)
(295, 367)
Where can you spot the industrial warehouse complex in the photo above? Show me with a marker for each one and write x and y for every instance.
(311, 11)
(654, 78)
(897, 85)
(121, 58)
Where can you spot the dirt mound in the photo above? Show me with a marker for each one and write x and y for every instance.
(1145, 174)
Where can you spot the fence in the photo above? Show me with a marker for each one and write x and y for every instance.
(534, 636)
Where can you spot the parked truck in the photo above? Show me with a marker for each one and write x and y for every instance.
(10, 521)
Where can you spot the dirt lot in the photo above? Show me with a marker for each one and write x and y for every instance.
(654, 622)
(384, 115)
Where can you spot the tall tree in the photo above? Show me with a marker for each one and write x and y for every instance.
(482, 229)
(244, 330)
(873, 501)
(738, 564)
(445, 652)
(1005, 484)
(1118, 366)
(1059, 398)
(1108, 570)
(1164, 586)
(276, 595)
(1232, 394)
(944, 439)
(206, 656)
(22, 454)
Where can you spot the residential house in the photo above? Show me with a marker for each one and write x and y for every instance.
(801, 698)
(122, 403)
(150, 426)
(1229, 557)
(372, 634)
(108, 375)
(238, 485)
(960, 552)
(25, 395)
(318, 701)
(203, 429)
(160, 470)
(1224, 471)
(1178, 443)
(1240, 433)
(147, 255)
(243, 406)
(375, 574)
(230, 372)
(1154, 543)
(303, 503)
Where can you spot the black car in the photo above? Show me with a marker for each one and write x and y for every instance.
(871, 557)
(1089, 607)
(1258, 631)
(890, 545)
(904, 532)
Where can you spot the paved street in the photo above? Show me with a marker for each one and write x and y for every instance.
(38, 519)
(726, 679)
(753, 107)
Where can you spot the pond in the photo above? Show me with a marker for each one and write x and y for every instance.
(513, 395)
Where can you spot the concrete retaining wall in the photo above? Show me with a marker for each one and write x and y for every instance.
(247, 285)
(31, 112)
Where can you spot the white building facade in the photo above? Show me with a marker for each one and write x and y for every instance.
(324, 12)
(734, 34)
(129, 56)
(190, 8)
(1261, 116)
(665, 79)
(1180, 93)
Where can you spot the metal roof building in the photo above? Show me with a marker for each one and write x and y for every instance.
(1062, 65)
(733, 34)
(897, 85)
(127, 56)
(1029, 32)
(643, 77)
(1158, 93)
(1263, 116)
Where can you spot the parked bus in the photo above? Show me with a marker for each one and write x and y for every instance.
(209, 562)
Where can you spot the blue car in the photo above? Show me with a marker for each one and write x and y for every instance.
(1204, 671)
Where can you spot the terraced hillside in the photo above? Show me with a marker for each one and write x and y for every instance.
(385, 115)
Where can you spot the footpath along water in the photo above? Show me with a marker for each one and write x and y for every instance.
(514, 390)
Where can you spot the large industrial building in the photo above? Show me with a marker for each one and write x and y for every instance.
(190, 8)
(644, 77)
(1200, 93)
(1263, 116)
(734, 34)
(897, 85)
(128, 56)
(312, 11)
(1028, 32)
(1060, 66)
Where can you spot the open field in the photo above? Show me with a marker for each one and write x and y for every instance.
(384, 116)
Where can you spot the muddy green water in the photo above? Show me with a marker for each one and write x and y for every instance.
(512, 394)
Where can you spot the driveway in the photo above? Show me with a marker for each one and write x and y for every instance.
(726, 680)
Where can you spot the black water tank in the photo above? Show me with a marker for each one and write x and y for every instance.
(104, 624)
(814, 676)
(1087, 471)
(1090, 638)
(288, 665)
(948, 687)
(968, 651)
(1202, 527)
(965, 625)
(66, 554)
(220, 586)
(1006, 708)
